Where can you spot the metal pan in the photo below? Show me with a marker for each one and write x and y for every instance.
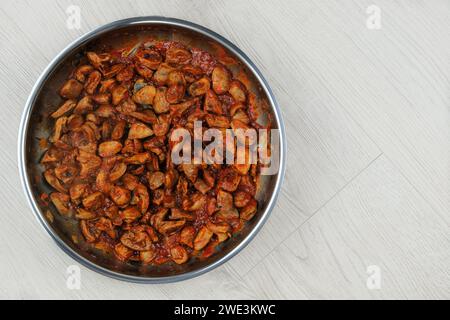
(44, 99)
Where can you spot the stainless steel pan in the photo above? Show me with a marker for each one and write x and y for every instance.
(44, 99)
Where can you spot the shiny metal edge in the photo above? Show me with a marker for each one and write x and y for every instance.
(145, 21)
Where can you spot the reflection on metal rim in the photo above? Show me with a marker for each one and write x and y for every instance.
(83, 40)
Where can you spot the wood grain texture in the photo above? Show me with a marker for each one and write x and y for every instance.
(367, 179)
(378, 220)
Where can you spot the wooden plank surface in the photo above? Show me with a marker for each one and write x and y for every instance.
(367, 182)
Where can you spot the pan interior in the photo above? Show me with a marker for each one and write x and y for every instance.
(39, 127)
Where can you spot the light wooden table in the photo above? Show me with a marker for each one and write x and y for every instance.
(364, 211)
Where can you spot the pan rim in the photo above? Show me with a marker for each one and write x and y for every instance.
(24, 125)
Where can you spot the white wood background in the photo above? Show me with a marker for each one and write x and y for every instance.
(367, 116)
